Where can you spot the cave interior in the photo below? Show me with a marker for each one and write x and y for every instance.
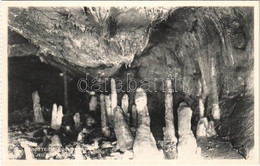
(207, 52)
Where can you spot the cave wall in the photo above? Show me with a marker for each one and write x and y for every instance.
(184, 45)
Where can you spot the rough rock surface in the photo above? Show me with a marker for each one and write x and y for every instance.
(144, 143)
(113, 35)
(124, 137)
(237, 123)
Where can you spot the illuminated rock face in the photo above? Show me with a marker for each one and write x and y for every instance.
(56, 118)
(144, 143)
(187, 145)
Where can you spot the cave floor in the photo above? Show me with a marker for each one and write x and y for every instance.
(211, 148)
(217, 148)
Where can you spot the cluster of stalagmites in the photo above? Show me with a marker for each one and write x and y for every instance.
(134, 138)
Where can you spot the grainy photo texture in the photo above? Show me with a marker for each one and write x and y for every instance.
(124, 82)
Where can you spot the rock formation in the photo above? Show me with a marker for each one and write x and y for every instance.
(144, 143)
(38, 118)
(93, 103)
(104, 120)
(134, 116)
(77, 121)
(187, 145)
(123, 134)
(56, 118)
(113, 95)
(202, 128)
(109, 109)
(170, 139)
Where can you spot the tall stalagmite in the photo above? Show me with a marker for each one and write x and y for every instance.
(113, 95)
(124, 106)
(187, 145)
(123, 134)
(56, 118)
(93, 103)
(144, 143)
(109, 110)
(170, 139)
(134, 116)
(77, 122)
(105, 129)
(38, 118)
(215, 104)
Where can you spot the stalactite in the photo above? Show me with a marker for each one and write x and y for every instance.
(56, 118)
(202, 126)
(144, 143)
(169, 138)
(93, 103)
(123, 134)
(134, 116)
(124, 106)
(105, 128)
(113, 95)
(215, 104)
(77, 122)
(109, 110)
(187, 145)
(38, 118)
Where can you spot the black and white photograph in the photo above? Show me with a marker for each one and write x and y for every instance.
(113, 81)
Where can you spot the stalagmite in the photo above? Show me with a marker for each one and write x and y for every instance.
(82, 135)
(124, 106)
(54, 148)
(113, 95)
(38, 118)
(105, 128)
(26, 145)
(90, 121)
(93, 103)
(109, 109)
(134, 116)
(202, 127)
(211, 129)
(17, 153)
(125, 103)
(215, 105)
(56, 118)
(201, 108)
(78, 153)
(170, 140)
(77, 122)
(65, 86)
(123, 134)
(187, 145)
(144, 143)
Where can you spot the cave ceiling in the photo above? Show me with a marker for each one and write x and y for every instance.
(101, 40)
